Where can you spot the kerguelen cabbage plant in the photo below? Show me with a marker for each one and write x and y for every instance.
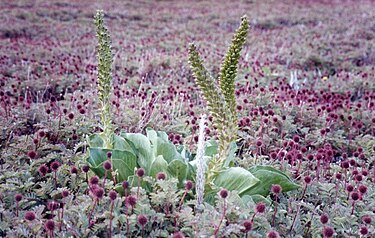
(221, 102)
(155, 153)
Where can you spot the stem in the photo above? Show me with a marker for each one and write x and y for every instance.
(105, 176)
(110, 220)
(139, 184)
(274, 214)
(55, 179)
(62, 216)
(17, 207)
(294, 219)
(113, 175)
(127, 222)
(92, 210)
(182, 200)
(304, 191)
(221, 220)
(353, 207)
(252, 219)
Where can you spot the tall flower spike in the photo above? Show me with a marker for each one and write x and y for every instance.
(201, 165)
(104, 78)
(228, 71)
(221, 101)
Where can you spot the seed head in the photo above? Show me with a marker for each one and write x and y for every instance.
(18, 197)
(42, 133)
(52, 206)
(248, 225)
(107, 165)
(140, 172)
(73, 170)
(328, 232)
(349, 188)
(273, 234)
(32, 154)
(260, 207)
(71, 116)
(345, 164)
(65, 193)
(276, 189)
(188, 185)
(363, 230)
(43, 169)
(125, 185)
(98, 192)
(307, 179)
(160, 176)
(30, 216)
(112, 195)
(367, 219)
(355, 196)
(94, 180)
(223, 193)
(85, 168)
(49, 225)
(362, 189)
(55, 166)
(324, 218)
(131, 201)
(358, 178)
(178, 235)
(142, 220)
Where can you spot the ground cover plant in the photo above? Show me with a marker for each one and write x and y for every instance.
(122, 128)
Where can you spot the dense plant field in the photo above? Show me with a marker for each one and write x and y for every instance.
(113, 124)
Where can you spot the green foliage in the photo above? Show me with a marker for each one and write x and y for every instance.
(268, 176)
(154, 152)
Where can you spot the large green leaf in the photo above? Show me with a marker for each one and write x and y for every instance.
(120, 143)
(236, 178)
(178, 169)
(159, 165)
(162, 146)
(211, 148)
(167, 150)
(142, 148)
(231, 155)
(95, 140)
(268, 176)
(123, 161)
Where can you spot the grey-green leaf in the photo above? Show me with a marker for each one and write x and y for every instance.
(268, 176)
(236, 178)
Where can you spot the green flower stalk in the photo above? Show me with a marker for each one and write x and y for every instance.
(228, 71)
(221, 100)
(104, 78)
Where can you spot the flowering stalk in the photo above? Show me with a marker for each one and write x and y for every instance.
(200, 178)
(221, 100)
(223, 194)
(104, 78)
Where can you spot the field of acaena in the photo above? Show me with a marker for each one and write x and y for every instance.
(172, 118)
